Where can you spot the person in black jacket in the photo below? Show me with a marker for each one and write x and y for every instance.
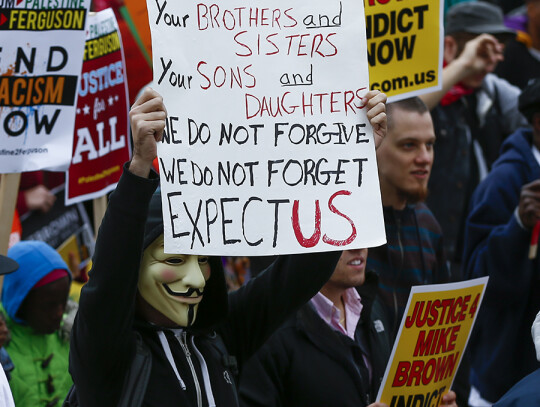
(178, 304)
(503, 213)
(333, 352)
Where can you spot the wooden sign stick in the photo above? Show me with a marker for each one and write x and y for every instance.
(100, 205)
(9, 188)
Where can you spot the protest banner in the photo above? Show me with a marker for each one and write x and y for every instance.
(433, 335)
(405, 46)
(101, 139)
(65, 228)
(267, 148)
(40, 62)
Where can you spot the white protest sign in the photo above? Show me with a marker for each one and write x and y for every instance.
(40, 61)
(267, 147)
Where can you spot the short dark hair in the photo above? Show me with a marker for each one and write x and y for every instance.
(529, 99)
(413, 104)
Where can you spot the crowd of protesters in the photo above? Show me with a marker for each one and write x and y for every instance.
(459, 173)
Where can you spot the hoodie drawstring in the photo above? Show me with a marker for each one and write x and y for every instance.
(206, 375)
(202, 362)
(167, 350)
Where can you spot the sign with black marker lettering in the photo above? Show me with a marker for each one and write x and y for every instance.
(405, 46)
(40, 62)
(267, 147)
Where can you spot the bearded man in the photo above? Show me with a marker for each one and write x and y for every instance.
(413, 254)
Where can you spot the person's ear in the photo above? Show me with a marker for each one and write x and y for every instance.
(450, 48)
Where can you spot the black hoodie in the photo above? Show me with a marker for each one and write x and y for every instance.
(308, 363)
(186, 368)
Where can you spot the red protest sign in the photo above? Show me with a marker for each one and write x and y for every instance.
(101, 141)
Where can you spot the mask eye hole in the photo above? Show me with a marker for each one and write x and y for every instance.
(174, 261)
(203, 260)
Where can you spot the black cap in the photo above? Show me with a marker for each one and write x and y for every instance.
(154, 220)
(529, 100)
(7, 265)
(476, 17)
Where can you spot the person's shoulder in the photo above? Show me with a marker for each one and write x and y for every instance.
(524, 393)
(426, 218)
(513, 49)
(516, 164)
(284, 337)
(500, 87)
(505, 96)
(422, 210)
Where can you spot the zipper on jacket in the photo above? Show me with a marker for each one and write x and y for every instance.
(183, 343)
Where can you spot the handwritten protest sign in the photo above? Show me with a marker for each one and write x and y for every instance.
(101, 142)
(405, 45)
(40, 62)
(267, 147)
(431, 340)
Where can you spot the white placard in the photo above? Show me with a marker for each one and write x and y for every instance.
(40, 61)
(267, 147)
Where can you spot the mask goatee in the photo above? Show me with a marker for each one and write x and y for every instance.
(191, 314)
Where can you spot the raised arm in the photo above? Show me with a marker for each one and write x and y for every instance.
(495, 241)
(477, 57)
(376, 114)
(102, 339)
(147, 117)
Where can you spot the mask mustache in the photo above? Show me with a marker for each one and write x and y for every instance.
(187, 293)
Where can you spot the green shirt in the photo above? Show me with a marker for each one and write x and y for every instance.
(41, 367)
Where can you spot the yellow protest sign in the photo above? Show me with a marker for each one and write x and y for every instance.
(432, 337)
(404, 40)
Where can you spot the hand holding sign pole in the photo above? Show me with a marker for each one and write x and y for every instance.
(147, 116)
(533, 246)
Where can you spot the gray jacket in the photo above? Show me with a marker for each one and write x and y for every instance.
(469, 134)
